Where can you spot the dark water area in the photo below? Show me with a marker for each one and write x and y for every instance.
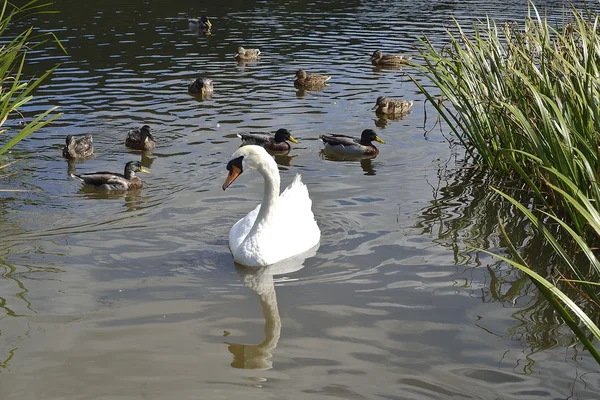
(127, 296)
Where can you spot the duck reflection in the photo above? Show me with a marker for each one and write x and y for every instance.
(146, 159)
(365, 159)
(260, 280)
(282, 158)
(383, 120)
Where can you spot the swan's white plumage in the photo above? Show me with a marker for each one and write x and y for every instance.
(288, 229)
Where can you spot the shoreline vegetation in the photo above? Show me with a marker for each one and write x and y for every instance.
(524, 102)
(16, 90)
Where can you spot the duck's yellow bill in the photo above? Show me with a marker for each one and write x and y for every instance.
(233, 174)
(378, 139)
(375, 106)
(291, 139)
(144, 170)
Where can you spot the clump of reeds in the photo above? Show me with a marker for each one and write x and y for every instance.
(15, 90)
(524, 100)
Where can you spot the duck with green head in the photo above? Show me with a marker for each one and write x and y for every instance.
(277, 142)
(200, 24)
(113, 181)
(140, 139)
(351, 145)
(201, 87)
(78, 148)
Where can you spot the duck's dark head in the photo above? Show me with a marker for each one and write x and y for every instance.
(204, 19)
(70, 139)
(376, 55)
(146, 132)
(282, 135)
(132, 167)
(369, 135)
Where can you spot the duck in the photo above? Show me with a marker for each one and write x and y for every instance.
(380, 59)
(268, 141)
(113, 181)
(201, 86)
(200, 24)
(383, 105)
(257, 239)
(352, 145)
(247, 54)
(140, 139)
(77, 148)
(305, 80)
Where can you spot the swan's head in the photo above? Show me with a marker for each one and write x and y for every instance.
(247, 158)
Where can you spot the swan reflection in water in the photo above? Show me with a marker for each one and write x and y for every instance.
(260, 280)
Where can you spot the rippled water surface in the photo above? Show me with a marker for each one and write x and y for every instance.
(136, 295)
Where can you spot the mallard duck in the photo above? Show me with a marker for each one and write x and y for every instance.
(247, 54)
(111, 181)
(352, 145)
(201, 86)
(383, 105)
(305, 80)
(200, 24)
(267, 140)
(255, 240)
(140, 139)
(78, 147)
(380, 59)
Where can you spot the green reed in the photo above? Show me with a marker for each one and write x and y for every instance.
(524, 101)
(15, 89)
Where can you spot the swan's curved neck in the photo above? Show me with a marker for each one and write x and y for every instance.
(270, 172)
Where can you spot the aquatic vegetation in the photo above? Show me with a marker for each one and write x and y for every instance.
(523, 101)
(16, 90)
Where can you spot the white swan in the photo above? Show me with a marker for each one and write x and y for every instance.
(279, 228)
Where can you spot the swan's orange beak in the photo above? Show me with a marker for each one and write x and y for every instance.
(233, 174)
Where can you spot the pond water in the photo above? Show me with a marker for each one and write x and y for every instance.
(136, 296)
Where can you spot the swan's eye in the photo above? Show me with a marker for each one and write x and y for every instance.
(237, 162)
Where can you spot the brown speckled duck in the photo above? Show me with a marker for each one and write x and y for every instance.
(112, 181)
(386, 106)
(352, 145)
(247, 54)
(268, 141)
(77, 148)
(392, 60)
(313, 80)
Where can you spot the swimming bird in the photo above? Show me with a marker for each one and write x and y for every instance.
(76, 148)
(267, 140)
(112, 181)
(281, 226)
(140, 139)
(201, 86)
(380, 59)
(247, 54)
(314, 80)
(352, 145)
(383, 105)
(200, 24)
